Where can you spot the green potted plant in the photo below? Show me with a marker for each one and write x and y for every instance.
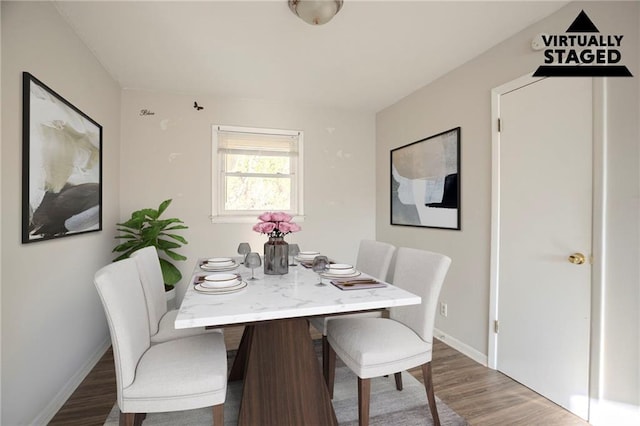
(145, 228)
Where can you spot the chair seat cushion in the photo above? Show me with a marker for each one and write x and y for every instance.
(373, 347)
(167, 330)
(320, 323)
(180, 374)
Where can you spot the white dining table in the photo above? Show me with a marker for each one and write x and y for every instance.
(282, 379)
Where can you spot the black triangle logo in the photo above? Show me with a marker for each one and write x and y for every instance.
(582, 24)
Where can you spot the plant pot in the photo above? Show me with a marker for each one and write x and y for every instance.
(171, 298)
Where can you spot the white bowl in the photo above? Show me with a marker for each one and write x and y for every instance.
(220, 280)
(218, 260)
(221, 277)
(340, 268)
(308, 254)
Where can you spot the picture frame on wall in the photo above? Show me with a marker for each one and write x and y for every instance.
(425, 182)
(61, 166)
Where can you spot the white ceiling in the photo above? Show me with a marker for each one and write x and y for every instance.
(372, 54)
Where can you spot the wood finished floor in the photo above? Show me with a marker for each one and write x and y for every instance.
(482, 396)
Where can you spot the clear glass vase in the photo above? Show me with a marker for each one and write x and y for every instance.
(276, 256)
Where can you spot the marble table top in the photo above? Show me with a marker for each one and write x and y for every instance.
(281, 296)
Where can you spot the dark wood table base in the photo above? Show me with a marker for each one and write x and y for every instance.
(283, 381)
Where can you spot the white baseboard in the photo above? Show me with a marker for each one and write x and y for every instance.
(605, 413)
(58, 401)
(463, 348)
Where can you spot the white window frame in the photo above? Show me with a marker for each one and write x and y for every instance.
(218, 213)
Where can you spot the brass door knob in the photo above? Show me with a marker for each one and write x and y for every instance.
(577, 258)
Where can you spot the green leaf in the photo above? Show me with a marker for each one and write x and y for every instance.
(163, 206)
(127, 245)
(166, 222)
(128, 251)
(128, 231)
(171, 228)
(170, 273)
(129, 237)
(176, 237)
(174, 255)
(134, 223)
(166, 244)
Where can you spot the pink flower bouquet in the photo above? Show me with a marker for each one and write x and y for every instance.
(275, 224)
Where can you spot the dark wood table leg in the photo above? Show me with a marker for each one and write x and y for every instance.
(240, 360)
(283, 383)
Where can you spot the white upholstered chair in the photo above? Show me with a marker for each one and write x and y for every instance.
(161, 320)
(181, 374)
(374, 258)
(373, 347)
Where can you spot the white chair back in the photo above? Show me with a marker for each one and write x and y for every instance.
(374, 258)
(120, 290)
(152, 284)
(420, 272)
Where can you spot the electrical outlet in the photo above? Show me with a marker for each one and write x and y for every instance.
(443, 309)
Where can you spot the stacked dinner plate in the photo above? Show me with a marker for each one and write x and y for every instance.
(221, 284)
(219, 264)
(340, 270)
(307, 256)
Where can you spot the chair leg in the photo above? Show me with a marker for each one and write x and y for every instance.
(218, 415)
(398, 377)
(325, 359)
(364, 397)
(428, 384)
(131, 419)
(139, 418)
(329, 365)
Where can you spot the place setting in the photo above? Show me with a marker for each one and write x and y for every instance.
(220, 283)
(340, 270)
(306, 257)
(218, 264)
(344, 276)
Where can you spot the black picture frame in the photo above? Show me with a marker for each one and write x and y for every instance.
(425, 182)
(61, 166)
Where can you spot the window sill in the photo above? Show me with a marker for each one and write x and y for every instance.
(245, 219)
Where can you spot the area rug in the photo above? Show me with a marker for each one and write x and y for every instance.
(388, 405)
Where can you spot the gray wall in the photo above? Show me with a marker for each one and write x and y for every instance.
(53, 325)
(462, 98)
(168, 155)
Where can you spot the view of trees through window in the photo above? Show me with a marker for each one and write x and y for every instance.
(257, 182)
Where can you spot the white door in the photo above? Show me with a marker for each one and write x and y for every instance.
(545, 224)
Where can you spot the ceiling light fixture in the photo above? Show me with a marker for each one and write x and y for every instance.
(315, 12)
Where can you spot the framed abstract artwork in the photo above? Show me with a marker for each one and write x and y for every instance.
(61, 166)
(425, 182)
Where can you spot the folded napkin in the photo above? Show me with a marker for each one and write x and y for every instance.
(358, 284)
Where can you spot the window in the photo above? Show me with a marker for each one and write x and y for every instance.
(255, 170)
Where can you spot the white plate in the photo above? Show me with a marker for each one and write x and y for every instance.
(215, 260)
(330, 275)
(221, 277)
(200, 289)
(341, 269)
(221, 281)
(219, 264)
(305, 259)
(308, 255)
(209, 285)
(207, 267)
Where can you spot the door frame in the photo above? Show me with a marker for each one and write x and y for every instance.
(598, 212)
